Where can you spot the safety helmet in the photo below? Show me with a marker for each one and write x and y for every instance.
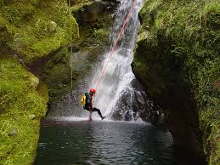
(92, 90)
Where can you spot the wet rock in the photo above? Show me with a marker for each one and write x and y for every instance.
(136, 99)
(161, 118)
(93, 11)
(95, 21)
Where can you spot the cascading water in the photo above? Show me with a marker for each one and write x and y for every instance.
(119, 96)
(118, 77)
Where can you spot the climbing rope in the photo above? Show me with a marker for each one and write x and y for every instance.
(71, 52)
(102, 73)
(71, 66)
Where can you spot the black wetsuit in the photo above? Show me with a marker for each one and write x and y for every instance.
(88, 106)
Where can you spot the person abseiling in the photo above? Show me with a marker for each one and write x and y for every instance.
(89, 104)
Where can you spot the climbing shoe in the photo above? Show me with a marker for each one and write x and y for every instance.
(103, 117)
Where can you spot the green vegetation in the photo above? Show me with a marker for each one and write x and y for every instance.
(32, 29)
(35, 28)
(178, 57)
(94, 37)
(56, 73)
(22, 103)
(78, 4)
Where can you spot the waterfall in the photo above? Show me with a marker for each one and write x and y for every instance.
(119, 95)
(117, 82)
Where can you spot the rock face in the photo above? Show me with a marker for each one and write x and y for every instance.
(31, 32)
(33, 29)
(95, 21)
(23, 101)
(177, 60)
(36, 38)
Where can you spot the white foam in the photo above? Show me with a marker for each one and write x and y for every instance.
(78, 119)
(118, 74)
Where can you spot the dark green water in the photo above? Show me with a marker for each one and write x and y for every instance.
(109, 143)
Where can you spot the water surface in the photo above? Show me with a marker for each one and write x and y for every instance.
(110, 143)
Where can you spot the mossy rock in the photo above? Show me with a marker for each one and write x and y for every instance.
(177, 59)
(93, 42)
(57, 71)
(21, 95)
(36, 28)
